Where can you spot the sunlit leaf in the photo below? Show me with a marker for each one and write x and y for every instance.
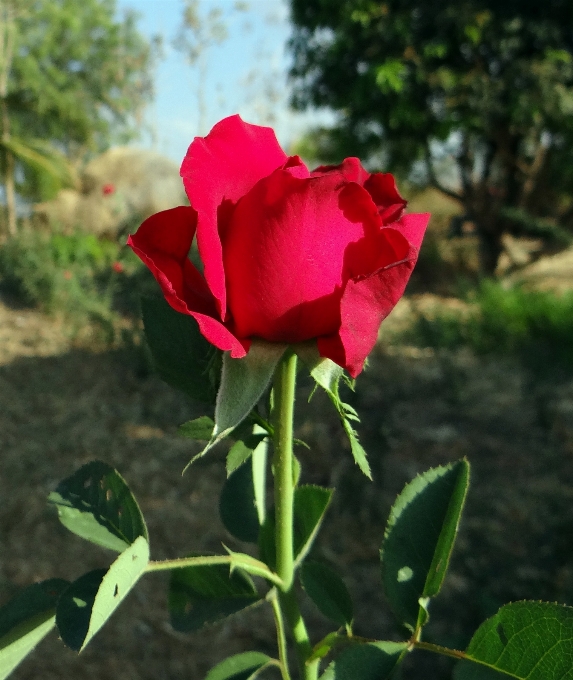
(96, 504)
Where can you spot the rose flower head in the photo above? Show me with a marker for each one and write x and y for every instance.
(288, 255)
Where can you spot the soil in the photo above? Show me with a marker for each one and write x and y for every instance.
(62, 405)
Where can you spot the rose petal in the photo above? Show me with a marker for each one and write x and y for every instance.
(284, 255)
(375, 251)
(382, 187)
(223, 166)
(413, 227)
(162, 242)
(364, 305)
(350, 168)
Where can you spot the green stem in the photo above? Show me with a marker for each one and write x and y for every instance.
(281, 637)
(283, 411)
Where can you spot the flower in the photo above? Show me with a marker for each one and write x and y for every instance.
(288, 255)
(117, 267)
(108, 189)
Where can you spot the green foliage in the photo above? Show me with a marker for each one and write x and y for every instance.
(181, 355)
(79, 69)
(524, 640)
(371, 661)
(328, 592)
(96, 504)
(237, 505)
(239, 667)
(419, 538)
(70, 274)
(88, 602)
(310, 506)
(537, 325)
(483, 85)
(204, 594)
(25, 620)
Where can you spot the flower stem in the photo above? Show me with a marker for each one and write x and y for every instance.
(283, 411)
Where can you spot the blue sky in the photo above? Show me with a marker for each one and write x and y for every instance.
(245, 74)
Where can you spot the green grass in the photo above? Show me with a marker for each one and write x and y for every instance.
(537, 325)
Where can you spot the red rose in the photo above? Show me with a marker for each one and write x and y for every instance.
(289, 255)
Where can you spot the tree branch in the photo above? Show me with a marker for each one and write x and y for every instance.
(434, 180)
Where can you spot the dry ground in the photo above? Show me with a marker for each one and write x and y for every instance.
(61, 406)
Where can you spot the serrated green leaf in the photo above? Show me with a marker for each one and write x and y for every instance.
(237, 505)
(96, 504)
(204, 594)
(358, 452)
(88, 602)
(243, 382)
(327, 374)
(328, 592)
(181, 355)
(242, 450)
(524, 640)
(419, 538)
(239, 667)
(371, 661)
(200, 428)
(25, 620)
(310, 505)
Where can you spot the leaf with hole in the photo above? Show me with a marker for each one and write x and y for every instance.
(371, 661)
(419, 539)
(88, 602)
(204, 594)
(96, 504)
(328, 592)
(240, 666)
(524, 640)
(25, 620)
(181, 355)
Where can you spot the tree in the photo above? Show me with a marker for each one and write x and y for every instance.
(72, 79)
(490, 82)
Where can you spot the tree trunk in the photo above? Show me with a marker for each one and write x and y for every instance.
(10, 193)
(490, 248)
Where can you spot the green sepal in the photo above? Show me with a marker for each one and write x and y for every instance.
(240, 666)
(370, 661)
(328, 592)
(96, 504)
(310, 505)
(25, 620)
(524, 640)
(207, 593)
(243, 382)
(181, 355)
(199, 429)
(327, 375)
(88, 602)
(419, 539)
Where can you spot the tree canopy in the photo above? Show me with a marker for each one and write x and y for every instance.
(75, 78)
(489, 82)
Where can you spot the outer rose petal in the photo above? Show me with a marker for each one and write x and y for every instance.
(219, 168)
(364, 305)
(350, 168)
(382, 187)
(162, 242)
(285, 254)
(366, 302)
(412, 226)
